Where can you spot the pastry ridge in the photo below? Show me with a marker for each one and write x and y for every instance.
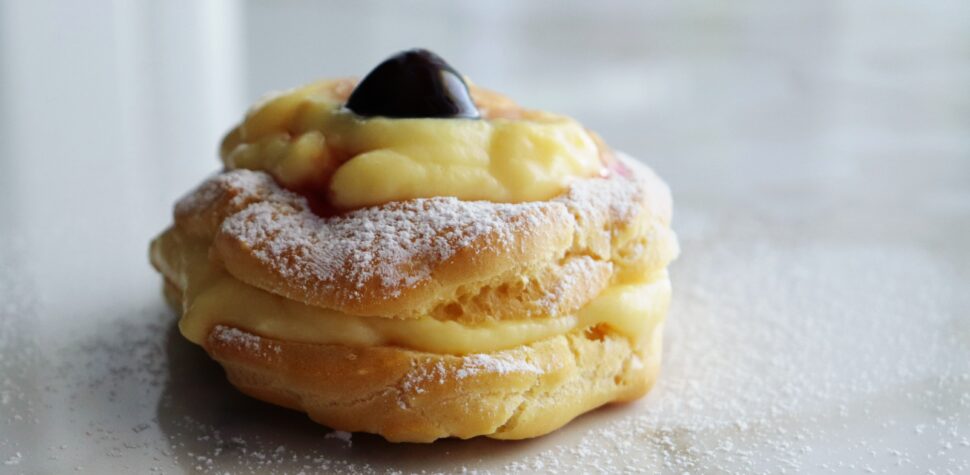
(411, 259)
(409, 396)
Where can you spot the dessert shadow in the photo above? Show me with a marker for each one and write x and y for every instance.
(205, 419)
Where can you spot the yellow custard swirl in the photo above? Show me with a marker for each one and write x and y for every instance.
(211, 296)
(307, 139)
(311, 143)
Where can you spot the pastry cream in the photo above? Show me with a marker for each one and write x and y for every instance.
(304, 137)
(630, 308)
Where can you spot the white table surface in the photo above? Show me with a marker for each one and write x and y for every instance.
(820, 160)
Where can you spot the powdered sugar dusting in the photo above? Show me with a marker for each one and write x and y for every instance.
(500, 364)
(399, 245)
(392, 247)
(784, 354)
(14, 459)
(581, 265)
(833, 368)
(252, 343)
(235, 188)
(616, 198)
(418, 379)
(345, 437)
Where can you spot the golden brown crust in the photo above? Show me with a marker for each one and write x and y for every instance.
(318, 261)
(416, 258)
(409, 396)
(558, 288)
(201, 212)
(468, 262)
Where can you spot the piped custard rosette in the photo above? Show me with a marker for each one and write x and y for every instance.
(418, 259)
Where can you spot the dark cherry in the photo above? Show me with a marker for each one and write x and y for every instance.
(413, 83)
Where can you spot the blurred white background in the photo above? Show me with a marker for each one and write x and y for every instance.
(818, 152)
(704, 91)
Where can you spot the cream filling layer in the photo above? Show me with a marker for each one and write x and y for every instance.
(211, 297)
(305, 137)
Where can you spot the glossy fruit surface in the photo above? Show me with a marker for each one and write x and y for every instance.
(415, 83)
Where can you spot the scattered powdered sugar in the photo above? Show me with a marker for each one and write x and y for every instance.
(501, 364)
(802, 357)
(467, 366)
(14, 459)
(342, 436)
(788, 350)
(579, 265)
(397, 245)
(833, 368)
(617, 198)
(392, 246)
(20, 353)
(232, 190)
(237, 337)
(249, 341)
